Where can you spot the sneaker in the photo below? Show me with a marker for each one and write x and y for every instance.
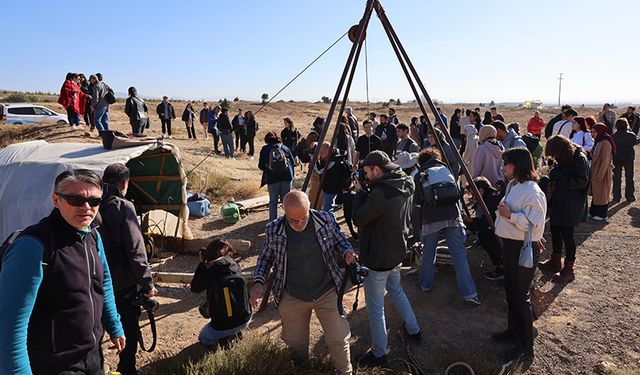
(615, 200)
(170, 137)
(506, 335)
(473, 301)
(631, 199)
(599, 218)
(416, 337)
(497, 274)
(251, 158)
(370, 360)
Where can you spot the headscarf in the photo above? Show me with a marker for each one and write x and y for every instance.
(486, 132)
(470, 130)
(601, 131)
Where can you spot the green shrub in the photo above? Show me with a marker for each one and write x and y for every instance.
(19, 97)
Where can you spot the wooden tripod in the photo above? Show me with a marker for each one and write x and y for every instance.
(411, 75)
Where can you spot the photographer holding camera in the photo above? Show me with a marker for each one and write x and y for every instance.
(127, 258)
(382, 215)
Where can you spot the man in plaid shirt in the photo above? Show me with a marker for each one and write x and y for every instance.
(301, 249)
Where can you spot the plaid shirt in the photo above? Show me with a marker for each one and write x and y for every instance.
(273, 253)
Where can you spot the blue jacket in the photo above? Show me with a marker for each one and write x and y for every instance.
(513, 140)
(263, 163)
(58, 316)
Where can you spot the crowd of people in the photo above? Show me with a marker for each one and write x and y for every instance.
(83, 269)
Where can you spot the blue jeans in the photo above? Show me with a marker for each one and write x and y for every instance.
(277, 190)
(455, 237)
(327, 201)
(210, 336)
(101, 118)
(374, 286)
(227, 144)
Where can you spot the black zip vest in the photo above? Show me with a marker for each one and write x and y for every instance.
(65, 323)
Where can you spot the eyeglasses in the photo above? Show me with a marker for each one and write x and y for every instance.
(297, 221)
(78, 200)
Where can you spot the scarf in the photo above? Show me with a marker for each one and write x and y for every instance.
(601, 131)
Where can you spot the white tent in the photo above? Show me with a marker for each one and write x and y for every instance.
(28, 171)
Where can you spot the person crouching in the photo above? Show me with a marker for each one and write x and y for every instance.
(227, 294)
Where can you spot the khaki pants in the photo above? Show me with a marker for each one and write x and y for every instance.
(296, 315)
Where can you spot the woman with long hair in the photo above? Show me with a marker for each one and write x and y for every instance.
(488, 119)
(521, 214)
(580, 134)
(567, 196)
(189, 118)
(290, 135)
(602, 154)
(447, 150)
(475, 120)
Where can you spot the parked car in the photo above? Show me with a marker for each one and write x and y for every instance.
(25, 113)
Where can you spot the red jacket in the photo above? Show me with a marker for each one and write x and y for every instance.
(535, 126)
(71, 96)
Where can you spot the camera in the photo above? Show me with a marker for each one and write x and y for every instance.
(151, 305)
(360, 175)
(357, 273)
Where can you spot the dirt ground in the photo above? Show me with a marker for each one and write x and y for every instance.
(594, 319)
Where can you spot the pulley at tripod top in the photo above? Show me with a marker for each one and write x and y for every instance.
(353, 33)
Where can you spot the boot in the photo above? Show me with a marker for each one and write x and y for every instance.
(566, 275)
(552, 265)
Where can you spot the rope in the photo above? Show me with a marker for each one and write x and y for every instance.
(302, 71)
(273, 97)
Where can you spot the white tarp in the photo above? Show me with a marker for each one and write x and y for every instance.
(28, 171)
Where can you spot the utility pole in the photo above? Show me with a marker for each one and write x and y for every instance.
(559, 88)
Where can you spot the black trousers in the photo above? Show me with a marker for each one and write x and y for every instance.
(238, 135)
(629, 189)
(129, 315)
(488, 240)
(91, 364)
(88, 115)
(191, 131)
(517, 282)
(248, 139)
(166, 125)
(560, 235)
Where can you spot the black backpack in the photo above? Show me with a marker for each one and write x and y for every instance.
(47, 246)
(278, 161)
(110, 96)
(231, 306)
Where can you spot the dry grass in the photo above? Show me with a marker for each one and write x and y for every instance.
(254, 354)
(220, 188)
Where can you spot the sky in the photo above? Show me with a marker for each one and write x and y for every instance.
(464, 50)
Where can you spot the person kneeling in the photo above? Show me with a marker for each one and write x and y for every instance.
(227, 295)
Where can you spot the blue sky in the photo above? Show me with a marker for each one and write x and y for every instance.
(464, 50)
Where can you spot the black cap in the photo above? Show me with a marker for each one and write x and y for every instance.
(379, 159)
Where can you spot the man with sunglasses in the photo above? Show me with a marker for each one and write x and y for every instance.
(56, 287)
(126, 253)
(301, 248)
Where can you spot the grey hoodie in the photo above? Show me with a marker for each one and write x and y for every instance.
(383, 217)
(487, 161)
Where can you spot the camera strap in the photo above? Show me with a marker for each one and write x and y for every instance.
(154, 334)
(347, 276)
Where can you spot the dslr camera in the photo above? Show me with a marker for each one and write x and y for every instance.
(357, 273)
(149, 304)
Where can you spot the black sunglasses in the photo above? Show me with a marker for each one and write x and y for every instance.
(78, 200)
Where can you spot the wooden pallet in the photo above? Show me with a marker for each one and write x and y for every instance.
(253, 203)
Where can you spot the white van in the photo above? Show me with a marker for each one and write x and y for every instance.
(24, 113)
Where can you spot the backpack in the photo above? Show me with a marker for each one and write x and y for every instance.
(278, 161)
(531, 141)
(231, 306)
(441, 188)
(46, 253)
(110, 96)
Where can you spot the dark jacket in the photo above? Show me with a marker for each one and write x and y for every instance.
(235, 124)
(569, 191)
(123, 242)
(65, 323)
(290, 138)
(160, 110)
(383, 219)
(634, 122)
(548, 129)
(204, 116)
(133, 107)
(269, 178)
(188, 115)
(252, 127)
(206, 277)
(224, 125)
(454, 128)
(429, 214)
(338, 171)
(389, 144)
(625, 142)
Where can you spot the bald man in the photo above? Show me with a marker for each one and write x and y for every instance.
(301, 248)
